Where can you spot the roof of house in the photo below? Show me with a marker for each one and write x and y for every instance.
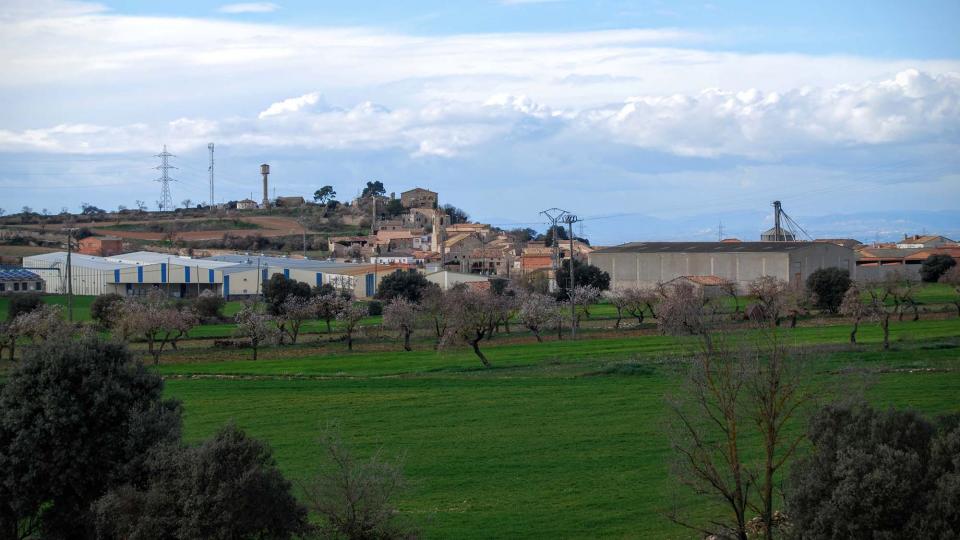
(17, 274)
(417, 190)
(885, 252)
(246, 201)
(140, 258)
(924, 238)
(707, 281)
(100, 239)
(704, 247)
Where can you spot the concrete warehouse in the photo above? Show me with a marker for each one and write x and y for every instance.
(231, 276)
(644, 264)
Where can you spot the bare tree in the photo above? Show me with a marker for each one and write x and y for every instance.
(641, 300)
(141, 205)
(328, 306)
(859, 309)
(260, 327)
(952, 278)
(470, 315)
(617, 299)
(538, 312)
(734, 387)
(355, 497)
(350, 316)
(186, 203)
(156, 320)
(38, 325)
(402, 315)
(433, 309)
(294, 311)
(685, 311)
(889, 296)
(582, 296)
(730, 289)
(771, 295)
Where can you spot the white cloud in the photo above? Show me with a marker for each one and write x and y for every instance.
(291, 105)
(912, 106)
(249, 7)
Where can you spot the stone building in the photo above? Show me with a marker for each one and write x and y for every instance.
(419, 198)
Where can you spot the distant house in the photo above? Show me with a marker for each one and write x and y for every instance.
(101, 246)
(247, 204)
(18, 281)
(419, 198)
(709, 286)
(397, 257)
(290, 202)
(845, 242)
(924, 241)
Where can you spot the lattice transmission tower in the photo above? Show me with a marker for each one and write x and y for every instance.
(166, 200)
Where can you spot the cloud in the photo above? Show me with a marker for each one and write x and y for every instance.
(290, 105)
(249, 7)
(910, 107)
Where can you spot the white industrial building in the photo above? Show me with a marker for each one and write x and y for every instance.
(230, 276)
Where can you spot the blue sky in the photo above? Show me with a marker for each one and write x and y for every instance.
(658, 120)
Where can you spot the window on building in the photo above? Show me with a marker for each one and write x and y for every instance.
(38, 286)
(16, 286)
(3, 287)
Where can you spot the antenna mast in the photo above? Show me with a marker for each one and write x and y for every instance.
(210, 147)
(166, 201)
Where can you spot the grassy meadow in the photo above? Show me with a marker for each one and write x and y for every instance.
(559, 439)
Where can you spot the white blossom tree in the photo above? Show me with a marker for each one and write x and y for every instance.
(471, 315)
(156, 320)
(538, 312)
(259, 327)
(328, 306)
(294, 311)
(350, 316)
(402, 315)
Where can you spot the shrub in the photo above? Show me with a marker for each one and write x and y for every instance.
(410, 285)
(375, 308)
(828, 286)
(584, 275)
(77, 418)
(23, 303)
(209, 305)
(104, 308)
(935, 266)
(876, 474)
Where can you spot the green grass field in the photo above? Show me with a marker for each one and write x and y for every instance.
(560, 439)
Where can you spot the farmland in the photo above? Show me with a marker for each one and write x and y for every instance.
(558, 439)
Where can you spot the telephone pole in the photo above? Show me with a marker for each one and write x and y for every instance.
(554, 215)
(570, 219)
(210, 147)
(69, 231)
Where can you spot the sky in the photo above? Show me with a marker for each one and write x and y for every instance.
(650, 120)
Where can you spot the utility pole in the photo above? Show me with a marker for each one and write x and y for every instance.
(373, 214)
(554, 215)
(210, 147)
(70, 231)
(570, 219)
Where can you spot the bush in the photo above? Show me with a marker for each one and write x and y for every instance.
(410, 285)
(877, 474)
(76, 418)
(23, 303)
(278, 288)
(584, 275)
(375, 307)
(935, 266)
(209, 306)
(228, 487)
(104, 308)
(828, 286)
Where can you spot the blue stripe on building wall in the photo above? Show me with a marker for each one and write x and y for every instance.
(319, 279)
(369, 284)
(139, 274)
(116, 276)
(286, 273)
(163, 272)
(210, 276)
(263, 276)
(226, 286)
(186, 274)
